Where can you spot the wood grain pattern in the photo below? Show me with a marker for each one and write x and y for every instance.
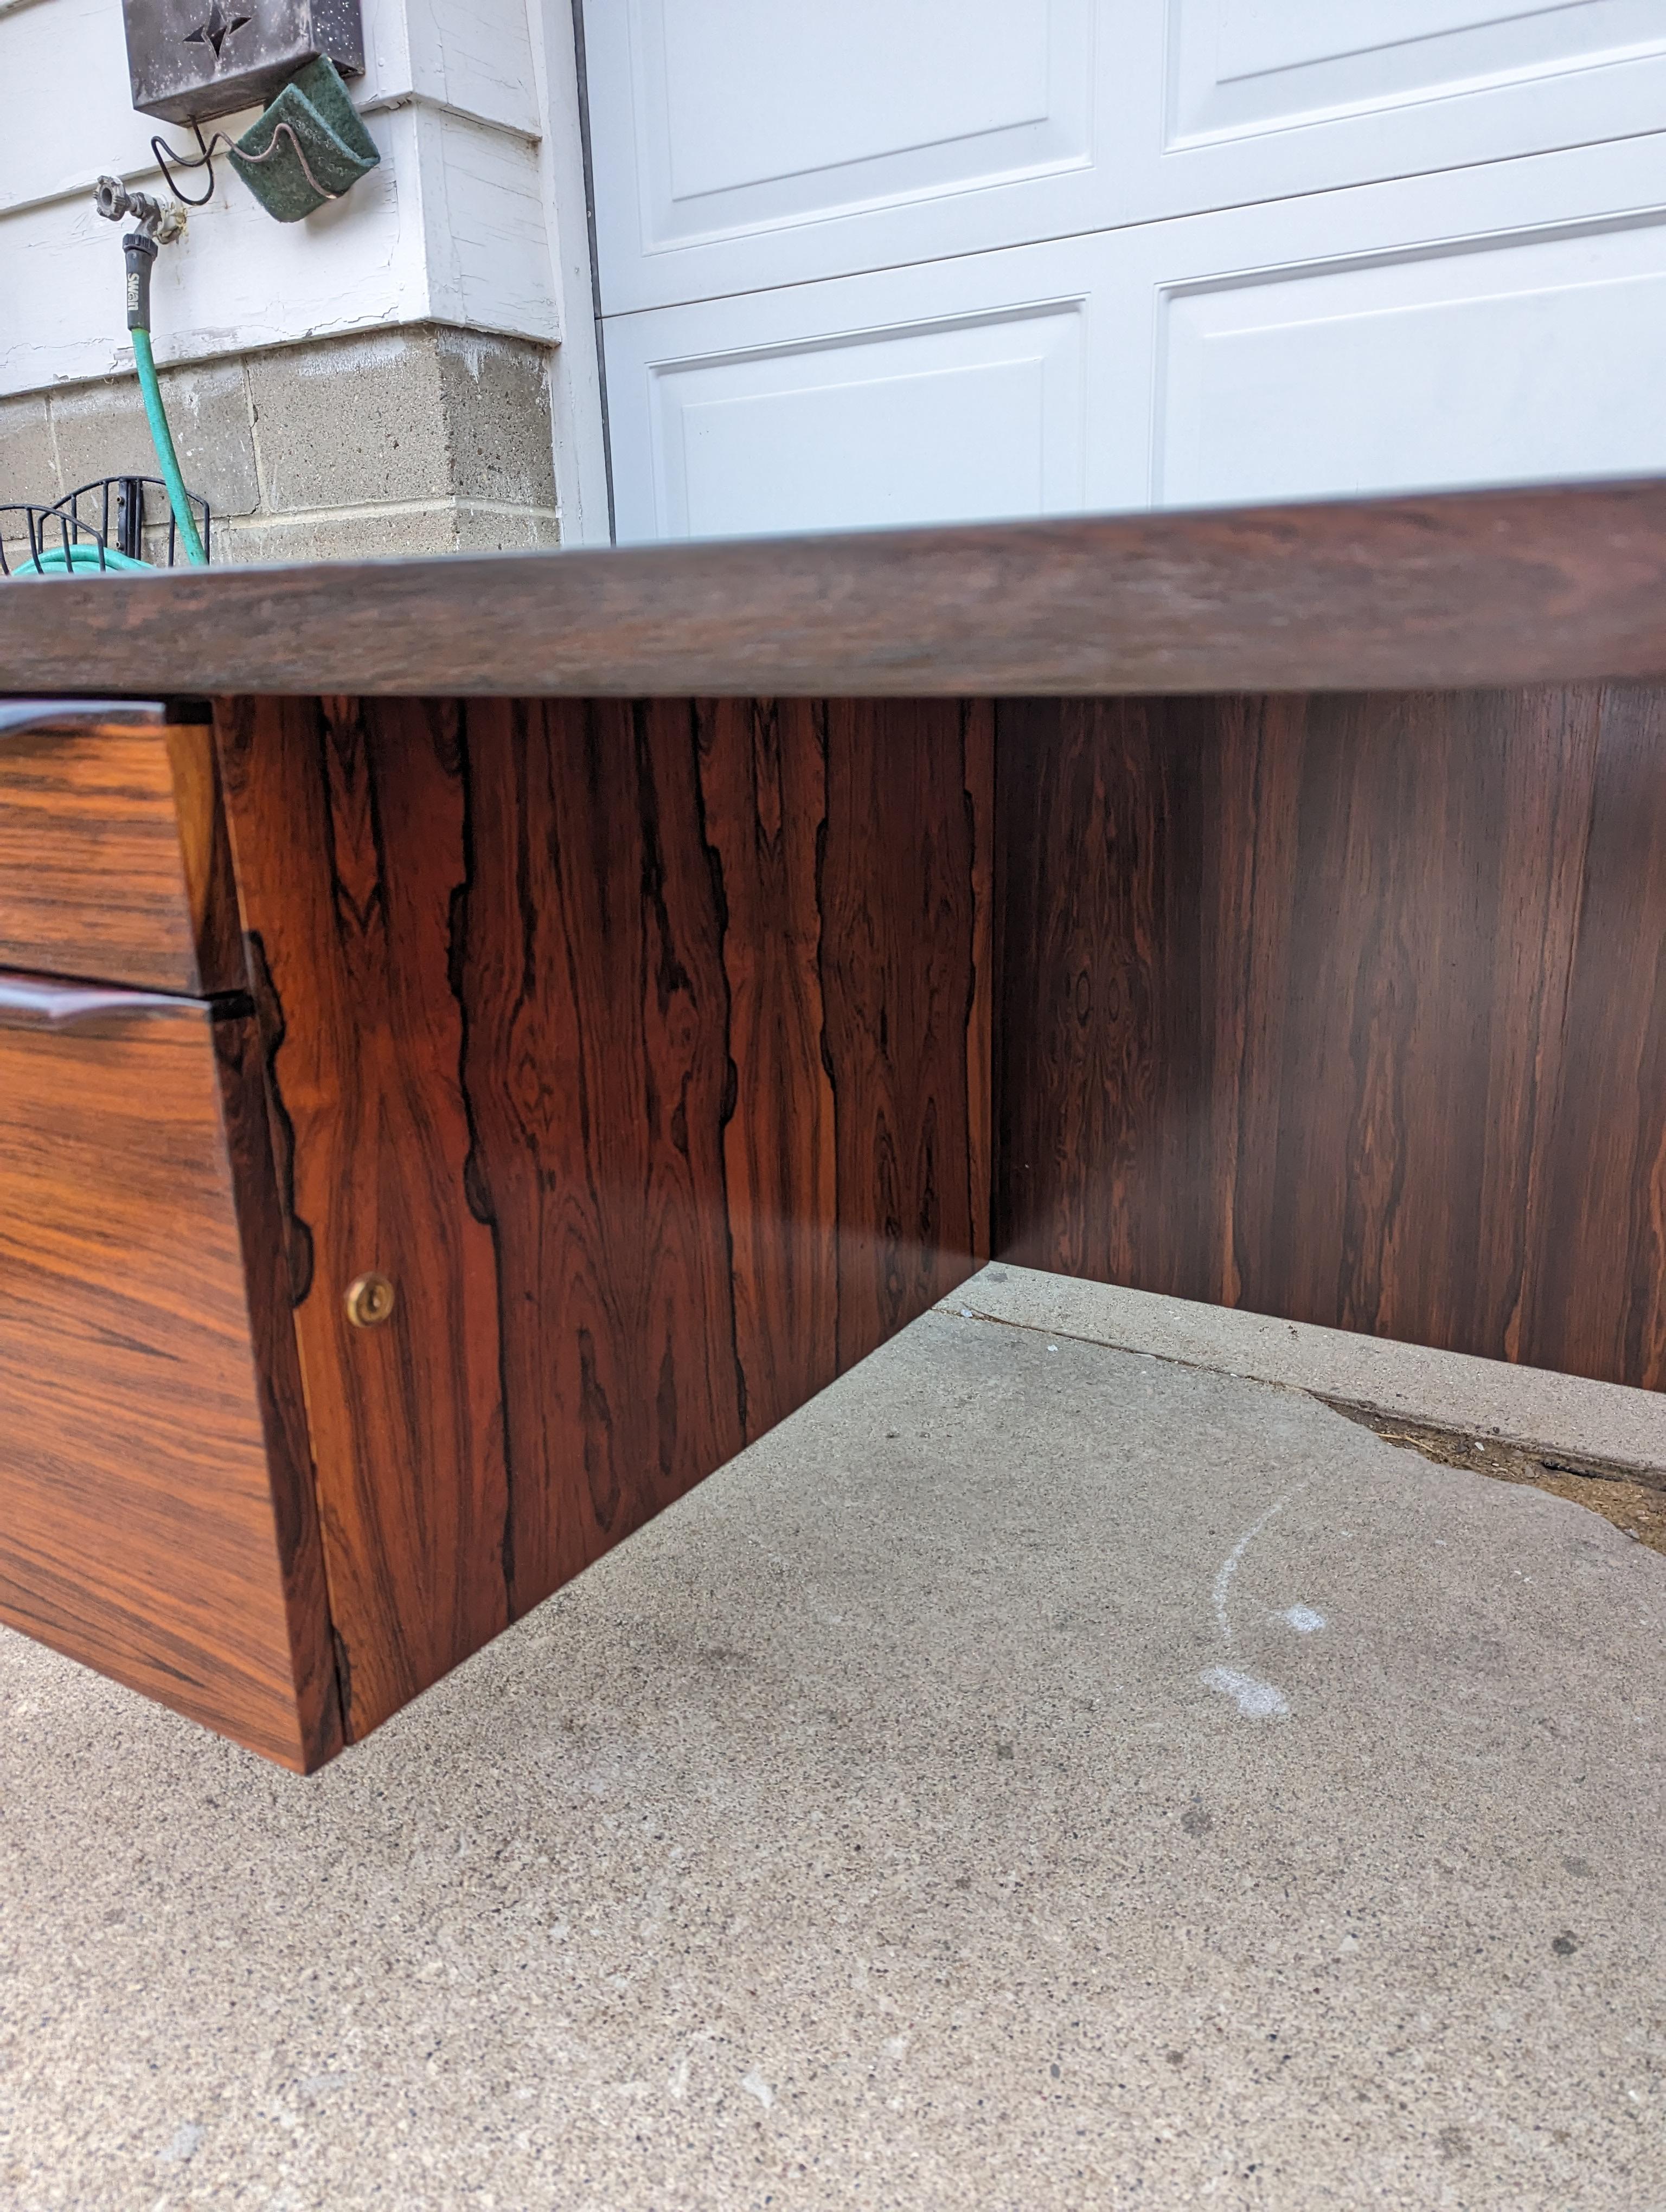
(597, 1068)
(901, 874)
(1343, 1009)
(113, 861)
(662, 1022)
(764, 770)
(347, 874)
(1600, 1303)
(1540, 584)
(155, 1502)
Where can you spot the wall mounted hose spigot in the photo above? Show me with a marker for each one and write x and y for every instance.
(158, 221)
(162, 220)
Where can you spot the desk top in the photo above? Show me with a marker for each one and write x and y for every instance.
(1538, 585)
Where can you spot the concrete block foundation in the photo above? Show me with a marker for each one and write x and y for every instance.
(420, 440)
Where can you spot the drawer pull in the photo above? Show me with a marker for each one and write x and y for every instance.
(52, 1003)
(24, 718)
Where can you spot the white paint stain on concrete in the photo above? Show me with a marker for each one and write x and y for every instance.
(1303, 1619)
(1256, 1699)
(186, 2142)
(755, 2085)
(1230, 1565)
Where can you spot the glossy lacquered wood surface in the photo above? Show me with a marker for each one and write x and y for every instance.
(1536, 584)
(1347, 1009)
(1600, 1295)
(114, 862)
(644, 1049)
(155, 1501)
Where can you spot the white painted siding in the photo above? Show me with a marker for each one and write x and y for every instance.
(454, 225)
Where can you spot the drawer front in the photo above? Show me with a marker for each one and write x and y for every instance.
(155, 1504)
(114, 862)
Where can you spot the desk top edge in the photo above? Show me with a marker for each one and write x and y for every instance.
(1536, 584)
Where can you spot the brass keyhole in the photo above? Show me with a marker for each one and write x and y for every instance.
(370, 1301)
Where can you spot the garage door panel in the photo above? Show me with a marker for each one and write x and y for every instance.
(729, 135)
(1524, 357)
(1492, 325)
(737, 146)
(1241, 66)
(942, 395)
(975, 90)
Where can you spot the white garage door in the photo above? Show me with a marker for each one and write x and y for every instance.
(886, 261)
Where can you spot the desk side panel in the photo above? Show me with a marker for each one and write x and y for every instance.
(1347, 1009)
(644, 1046)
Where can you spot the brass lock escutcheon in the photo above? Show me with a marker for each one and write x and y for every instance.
(370, 1300)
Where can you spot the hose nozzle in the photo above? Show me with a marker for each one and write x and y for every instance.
(141, 253)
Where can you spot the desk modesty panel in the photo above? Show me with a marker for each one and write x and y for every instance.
(456, 1097)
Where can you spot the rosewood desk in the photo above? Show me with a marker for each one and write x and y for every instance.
(481, 1040)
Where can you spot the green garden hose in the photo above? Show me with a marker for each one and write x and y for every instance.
(140, 251)
(74, 560)
(73, 557)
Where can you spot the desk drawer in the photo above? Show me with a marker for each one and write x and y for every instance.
(155, 1506)
(113, 863)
